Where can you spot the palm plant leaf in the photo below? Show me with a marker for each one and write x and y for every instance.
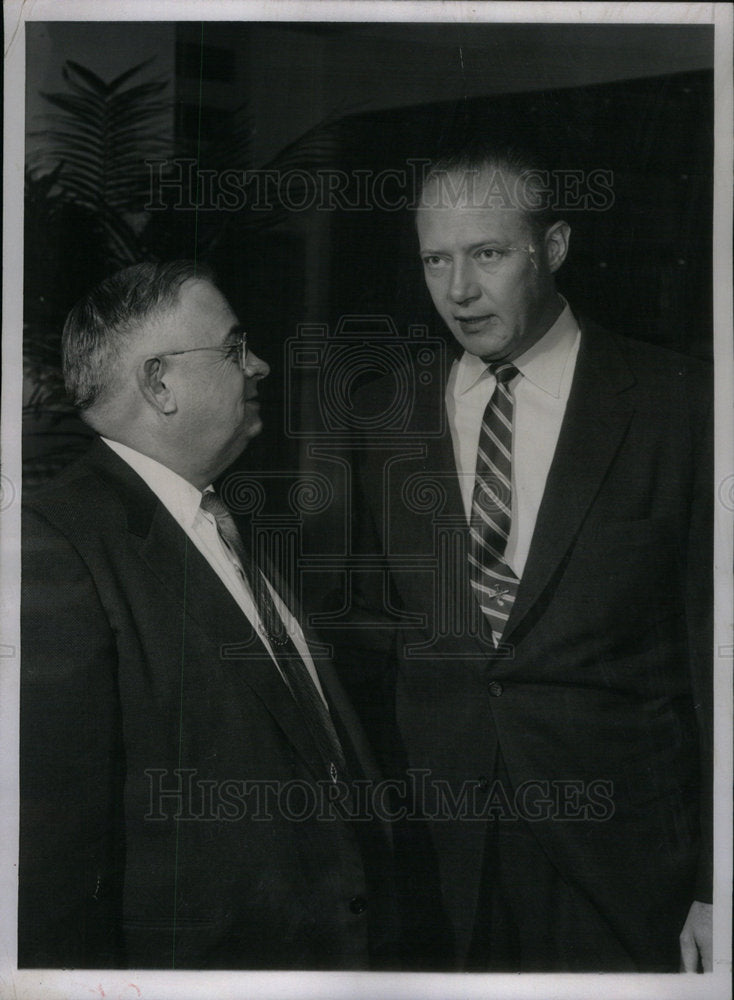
(103, 133)
(81, 78)
(127, 74)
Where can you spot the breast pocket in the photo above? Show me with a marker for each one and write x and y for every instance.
(659, 531)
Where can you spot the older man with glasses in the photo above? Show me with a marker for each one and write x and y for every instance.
(187, 757)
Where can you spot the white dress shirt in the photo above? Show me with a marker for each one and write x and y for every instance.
(540, 393)
(183, 502)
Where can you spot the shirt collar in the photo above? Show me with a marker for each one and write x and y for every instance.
(543, 364)
(180, 497)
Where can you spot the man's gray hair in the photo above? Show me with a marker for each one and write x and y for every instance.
(100, 325)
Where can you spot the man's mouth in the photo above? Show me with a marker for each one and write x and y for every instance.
(473, 324)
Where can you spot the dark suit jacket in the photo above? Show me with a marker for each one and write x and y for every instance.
(135, 681)
(602, 682)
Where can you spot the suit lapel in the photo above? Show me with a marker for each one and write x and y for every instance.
(595, 422)
(187, 576)
(330, 684)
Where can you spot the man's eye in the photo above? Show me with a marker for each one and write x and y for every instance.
(489, 255)
(433, 261)
(231, 352)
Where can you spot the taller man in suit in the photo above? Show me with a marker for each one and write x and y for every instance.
(547, 572)
(186, 756)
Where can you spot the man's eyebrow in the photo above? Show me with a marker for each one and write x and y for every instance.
(234, 333)
(494, 241)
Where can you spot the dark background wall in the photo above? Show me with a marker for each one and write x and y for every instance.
(636, 101)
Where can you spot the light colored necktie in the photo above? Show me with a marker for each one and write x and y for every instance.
(493, 582)
(294, 670)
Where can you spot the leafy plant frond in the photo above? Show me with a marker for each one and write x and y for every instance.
(143, 92)
(79, 76)
(74, 104)
(128, 74)
(103, 132)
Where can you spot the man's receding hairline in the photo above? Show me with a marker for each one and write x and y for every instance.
(491, 167)
(170, 302)
(134, 329)
(161, 309)
(435, 177)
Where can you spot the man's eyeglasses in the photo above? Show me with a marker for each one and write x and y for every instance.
(236, 350)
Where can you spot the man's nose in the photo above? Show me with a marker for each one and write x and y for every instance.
(255, 367)
(462, 286)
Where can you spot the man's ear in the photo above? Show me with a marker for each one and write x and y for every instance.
(155, 387)
(557, 238)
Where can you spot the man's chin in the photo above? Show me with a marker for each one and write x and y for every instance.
(251, 431)
(239, 445)
(484, 344)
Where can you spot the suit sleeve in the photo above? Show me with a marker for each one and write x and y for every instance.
(70, 762)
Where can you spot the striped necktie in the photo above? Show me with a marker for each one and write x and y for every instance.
(493, 582)
(294, 670)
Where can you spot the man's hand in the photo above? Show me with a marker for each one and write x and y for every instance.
(696, 938)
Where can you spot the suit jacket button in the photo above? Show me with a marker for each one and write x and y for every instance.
(495, 689)
(357, 904)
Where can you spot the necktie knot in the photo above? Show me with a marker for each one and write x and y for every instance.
(212, 503)
(503, 371)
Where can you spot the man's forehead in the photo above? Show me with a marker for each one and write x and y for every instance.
(472, 223)
(200, 296)
(200, 314)
(199, 288)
